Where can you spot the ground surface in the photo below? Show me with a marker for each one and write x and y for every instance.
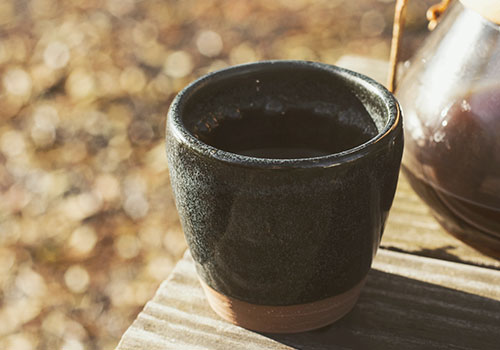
(88, 227)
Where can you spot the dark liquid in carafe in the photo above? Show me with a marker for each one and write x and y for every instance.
(473, 224)
(294, 133)
(462, 170)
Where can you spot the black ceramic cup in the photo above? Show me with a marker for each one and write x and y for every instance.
(283, 174)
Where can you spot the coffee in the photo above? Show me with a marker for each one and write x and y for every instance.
(461, 169)
(291, 133)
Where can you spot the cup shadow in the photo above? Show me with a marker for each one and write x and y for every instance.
(395, 312)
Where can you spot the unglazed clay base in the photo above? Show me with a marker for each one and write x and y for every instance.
(283, 319)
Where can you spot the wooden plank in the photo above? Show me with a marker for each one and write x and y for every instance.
(410, 227)
(409, 302)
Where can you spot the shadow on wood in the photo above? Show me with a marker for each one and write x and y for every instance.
(396, 312)
(409, 302)
(442, 253)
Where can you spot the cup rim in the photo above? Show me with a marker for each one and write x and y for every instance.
(178, 130)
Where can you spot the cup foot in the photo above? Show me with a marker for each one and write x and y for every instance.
(283, 319)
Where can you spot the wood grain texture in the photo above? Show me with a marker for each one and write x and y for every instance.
(409, 302)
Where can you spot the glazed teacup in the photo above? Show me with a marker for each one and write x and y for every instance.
(283, 174)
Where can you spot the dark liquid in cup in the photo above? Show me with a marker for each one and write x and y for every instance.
(294, 133)
(462, 170)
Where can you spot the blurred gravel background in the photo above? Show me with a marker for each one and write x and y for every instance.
(88, 227)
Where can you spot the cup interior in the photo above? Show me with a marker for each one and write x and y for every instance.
(285, 110)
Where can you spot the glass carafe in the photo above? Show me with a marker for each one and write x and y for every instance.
(450, 96)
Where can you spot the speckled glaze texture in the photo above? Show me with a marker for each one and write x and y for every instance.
(282, 231)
